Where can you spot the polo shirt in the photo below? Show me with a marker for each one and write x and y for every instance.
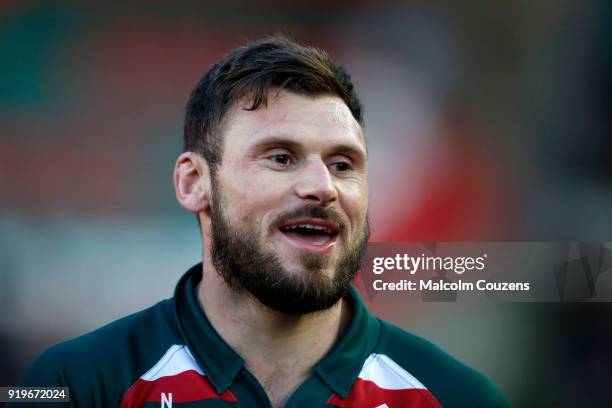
(169, 355)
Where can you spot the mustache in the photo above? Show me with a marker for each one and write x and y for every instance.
(312, 211)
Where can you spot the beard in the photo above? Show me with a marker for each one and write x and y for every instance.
(240, 258)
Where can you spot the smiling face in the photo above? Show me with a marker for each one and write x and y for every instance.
(289, 202)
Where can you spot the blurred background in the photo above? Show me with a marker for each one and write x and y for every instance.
(487, 121)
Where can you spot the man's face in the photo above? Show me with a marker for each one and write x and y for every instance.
(289, 202)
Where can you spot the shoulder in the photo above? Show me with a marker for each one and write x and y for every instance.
(453, 383)
(98, 366)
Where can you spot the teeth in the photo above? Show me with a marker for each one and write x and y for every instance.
(309, 226)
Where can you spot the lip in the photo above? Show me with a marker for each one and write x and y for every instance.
(306, 246)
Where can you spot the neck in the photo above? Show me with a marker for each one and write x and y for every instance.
(279, 349)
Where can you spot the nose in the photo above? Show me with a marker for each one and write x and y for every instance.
(315, 183)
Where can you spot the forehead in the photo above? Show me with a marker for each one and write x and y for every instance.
(313, 121)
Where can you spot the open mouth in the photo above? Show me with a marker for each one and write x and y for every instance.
(313, 234)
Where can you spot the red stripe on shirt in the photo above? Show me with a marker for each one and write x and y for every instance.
(365, 393)
(185, 387)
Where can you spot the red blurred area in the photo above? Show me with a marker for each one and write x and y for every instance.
(464, 194)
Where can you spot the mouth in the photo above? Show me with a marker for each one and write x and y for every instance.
(312, 234)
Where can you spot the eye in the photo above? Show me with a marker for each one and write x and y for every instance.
(280, 158)
(341, 166)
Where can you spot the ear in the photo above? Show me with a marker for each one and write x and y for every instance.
(192, 182)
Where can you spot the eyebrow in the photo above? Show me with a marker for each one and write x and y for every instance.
(280, 141)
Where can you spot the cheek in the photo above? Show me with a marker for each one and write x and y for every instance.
(250, 199)
(354, 200)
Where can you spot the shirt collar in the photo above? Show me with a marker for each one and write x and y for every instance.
(221, 364)
(338, 368)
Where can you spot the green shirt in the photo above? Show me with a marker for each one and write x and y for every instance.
(170, 356)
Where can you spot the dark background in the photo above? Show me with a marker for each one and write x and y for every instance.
(487, 121)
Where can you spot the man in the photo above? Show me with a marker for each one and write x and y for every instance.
(275, 170)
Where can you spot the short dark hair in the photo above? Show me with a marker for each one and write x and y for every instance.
(250, 72)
